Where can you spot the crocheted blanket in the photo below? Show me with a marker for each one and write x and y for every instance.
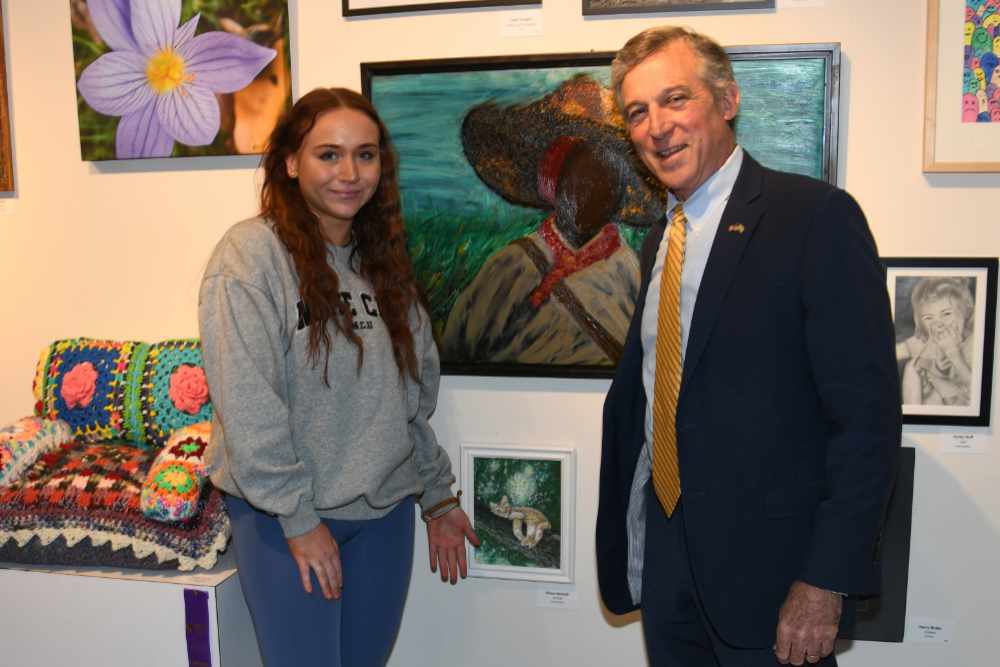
(122, 390)
(80, 499)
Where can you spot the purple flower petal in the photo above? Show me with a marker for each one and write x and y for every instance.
(190, 114)
(115, 84)
(224, 63)
(186, 31)
(154, 23)
(141, 135)
(113, 21)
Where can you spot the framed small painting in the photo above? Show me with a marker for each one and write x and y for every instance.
(962, 87)
(522, 504)
(944, 313)
(365, 7)
(525, 205)
(179, 78)
(591, 7)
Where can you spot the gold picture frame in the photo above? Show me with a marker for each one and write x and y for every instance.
(951, 145)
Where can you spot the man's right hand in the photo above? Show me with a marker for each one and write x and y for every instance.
(318, 551)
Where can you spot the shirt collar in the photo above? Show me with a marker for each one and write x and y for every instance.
(718, 185)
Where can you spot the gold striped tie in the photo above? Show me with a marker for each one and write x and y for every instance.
(667, 386)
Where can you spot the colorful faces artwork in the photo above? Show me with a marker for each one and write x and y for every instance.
(981, 71)
(970, 108)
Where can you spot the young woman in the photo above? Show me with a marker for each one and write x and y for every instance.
(323, 373)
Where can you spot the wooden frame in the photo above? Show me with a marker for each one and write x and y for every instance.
(522, 504)
(6, 149)
(944, 351)
(951, 145)
(599, 7)
(368, 7)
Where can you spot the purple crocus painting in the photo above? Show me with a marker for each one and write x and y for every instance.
(177, 78)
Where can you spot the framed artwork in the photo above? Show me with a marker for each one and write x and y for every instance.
(592, 7)
(882, 618)
(944, 313)
(365, 7)
(522, 504)
(6, 151)
(525, 205)
(179, 78)
(962, 89)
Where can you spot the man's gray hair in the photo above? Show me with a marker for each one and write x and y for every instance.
(716, 70)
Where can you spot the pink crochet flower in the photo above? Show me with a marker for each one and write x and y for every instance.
(78, 385)
(188, 388)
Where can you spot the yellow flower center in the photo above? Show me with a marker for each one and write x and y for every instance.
(165, 71)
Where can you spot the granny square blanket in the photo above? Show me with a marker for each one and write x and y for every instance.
(81, 502)
(122, 390)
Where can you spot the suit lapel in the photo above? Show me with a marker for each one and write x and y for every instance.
(739, 220)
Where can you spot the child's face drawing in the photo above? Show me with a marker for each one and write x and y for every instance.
(941, 318)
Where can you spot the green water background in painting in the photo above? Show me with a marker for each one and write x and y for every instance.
(454, 222)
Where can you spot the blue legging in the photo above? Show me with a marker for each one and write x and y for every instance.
(298, 629)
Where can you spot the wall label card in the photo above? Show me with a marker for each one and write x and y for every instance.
(558, 599)
(929, 630)
(964, 443)
(522, 24)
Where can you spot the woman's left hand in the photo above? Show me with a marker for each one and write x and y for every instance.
(446, 537)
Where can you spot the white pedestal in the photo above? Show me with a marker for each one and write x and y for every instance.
(52, 615)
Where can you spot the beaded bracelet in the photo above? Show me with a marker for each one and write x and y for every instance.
(442, 508)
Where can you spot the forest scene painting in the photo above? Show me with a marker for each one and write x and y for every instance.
(179, 78)
(520, 511)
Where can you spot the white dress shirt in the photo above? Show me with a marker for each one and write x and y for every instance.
(703, 210)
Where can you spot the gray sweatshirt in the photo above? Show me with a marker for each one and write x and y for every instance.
(282, 439)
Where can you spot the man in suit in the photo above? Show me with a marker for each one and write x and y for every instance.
(751, 431)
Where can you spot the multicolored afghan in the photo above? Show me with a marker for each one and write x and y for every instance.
(122, 390)
(24, 441)
(177, 476)
(88, 495)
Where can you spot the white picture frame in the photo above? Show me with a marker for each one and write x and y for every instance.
(535, 539)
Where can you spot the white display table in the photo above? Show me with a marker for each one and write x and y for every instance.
(54, 615)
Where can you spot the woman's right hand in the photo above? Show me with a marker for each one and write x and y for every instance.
(318, 552)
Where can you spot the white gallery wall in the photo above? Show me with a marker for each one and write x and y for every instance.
(116, 250)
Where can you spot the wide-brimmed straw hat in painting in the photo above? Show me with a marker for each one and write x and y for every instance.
(514, 149)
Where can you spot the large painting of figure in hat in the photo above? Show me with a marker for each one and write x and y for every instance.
(525, 205)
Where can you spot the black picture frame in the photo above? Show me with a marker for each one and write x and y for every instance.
(415, 92)
(598, 8)
(348, 10)
(932, 373)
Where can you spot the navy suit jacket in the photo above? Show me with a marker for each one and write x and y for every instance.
(788, 420)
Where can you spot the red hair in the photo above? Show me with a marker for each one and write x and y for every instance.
(377, 231)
